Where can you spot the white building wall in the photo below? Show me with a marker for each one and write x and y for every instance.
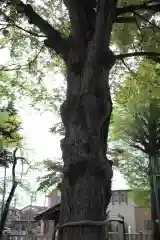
(127, 210)
(54, 199)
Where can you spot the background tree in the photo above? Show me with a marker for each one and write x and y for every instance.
(53, 176)
(16, 179)
(134, 167)
(83, 34)
(9, 136)
(10, 141)
(6, 204)
(9, 126)
(136, 124)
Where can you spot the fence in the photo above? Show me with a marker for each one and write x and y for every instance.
(111, 236)
(138, 236)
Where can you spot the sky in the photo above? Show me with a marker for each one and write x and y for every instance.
(41, 144)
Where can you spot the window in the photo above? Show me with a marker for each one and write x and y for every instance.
(115, 197)
(124, 197)
(147, 225)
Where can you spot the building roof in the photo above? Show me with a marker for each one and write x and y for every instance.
(23, 221)
(49, 214)
(53, 214)
(34, 207)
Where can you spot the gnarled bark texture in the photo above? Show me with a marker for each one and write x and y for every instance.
(87, 173)
(86, 114)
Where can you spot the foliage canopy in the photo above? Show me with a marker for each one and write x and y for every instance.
(136, 125)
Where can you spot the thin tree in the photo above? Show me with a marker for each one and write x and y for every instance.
(11, 194)
(16, 180)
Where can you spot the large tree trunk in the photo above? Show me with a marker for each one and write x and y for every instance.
(86, 188)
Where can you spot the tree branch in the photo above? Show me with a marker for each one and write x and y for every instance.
(27, 31)
(125, 20)
(146, 20)
(128, 68)
(21, 67)
(137, 54)
(54, 38)
(145, 6)
(10, 22)
(14, 165)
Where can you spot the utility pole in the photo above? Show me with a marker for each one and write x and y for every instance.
(32, 199)
(29, 214)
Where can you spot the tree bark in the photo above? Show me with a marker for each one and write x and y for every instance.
(86, 188)
(85, 113)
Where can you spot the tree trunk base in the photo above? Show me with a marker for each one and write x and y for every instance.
(85, 197)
